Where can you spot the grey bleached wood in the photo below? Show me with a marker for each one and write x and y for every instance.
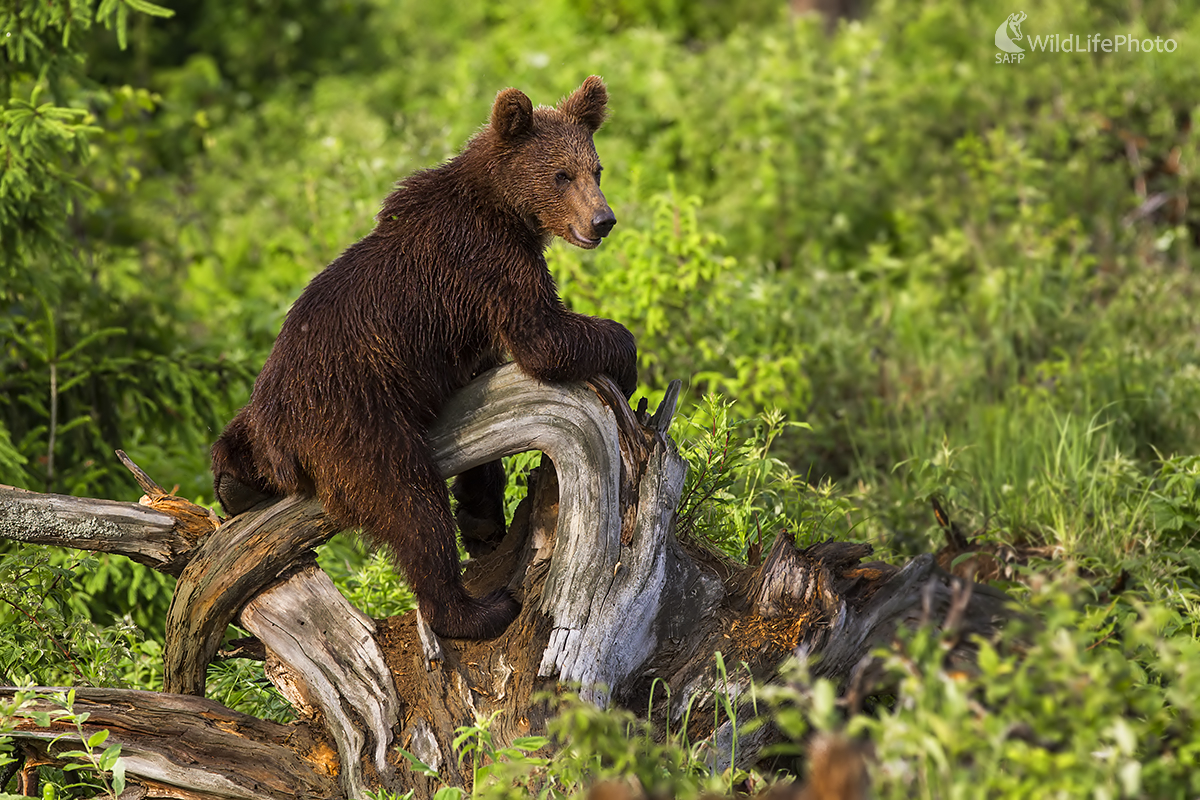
(502, 413)
(147, 536)
(329, 647)
(507, 412)
(630, 601)
(606, 599)
(430, 644)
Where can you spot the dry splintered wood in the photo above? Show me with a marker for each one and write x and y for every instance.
(325, 660)
(612, 602)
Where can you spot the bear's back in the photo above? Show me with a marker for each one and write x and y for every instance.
(403, 315)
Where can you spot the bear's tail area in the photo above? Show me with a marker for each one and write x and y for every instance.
(236, 480)
(471, 618)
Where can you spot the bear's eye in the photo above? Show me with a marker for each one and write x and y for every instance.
(562, 178)
(598, 171)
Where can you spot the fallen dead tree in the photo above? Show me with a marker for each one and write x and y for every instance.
(612, 602)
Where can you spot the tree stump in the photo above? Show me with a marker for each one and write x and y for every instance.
(612, 603)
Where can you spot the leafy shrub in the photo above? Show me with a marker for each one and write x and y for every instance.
(981, 273)
(45, 639)
(1089, 702)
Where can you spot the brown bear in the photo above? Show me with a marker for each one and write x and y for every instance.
(451, 278)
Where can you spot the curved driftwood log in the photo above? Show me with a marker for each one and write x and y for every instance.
(611, 602)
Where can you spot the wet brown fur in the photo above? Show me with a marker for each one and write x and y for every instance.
(451, 278)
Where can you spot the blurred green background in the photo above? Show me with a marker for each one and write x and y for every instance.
(968, 280)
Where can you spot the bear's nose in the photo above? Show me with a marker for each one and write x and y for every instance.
(603, 222)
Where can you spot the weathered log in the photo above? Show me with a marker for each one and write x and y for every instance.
(189, 747)
(323, 657)
(611, 600)
(141, 533)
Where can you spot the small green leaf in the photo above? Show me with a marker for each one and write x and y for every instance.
(529, 743)
(417, 764)
(987, 658)
(149, 8)
(961, 558)
(108, 759)
(97, 739)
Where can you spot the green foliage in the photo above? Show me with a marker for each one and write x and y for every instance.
(475, 741)
(589, 745)
(89, 771)
(737, 495)
(105, 767)
(665, 270)
(1089, 702)
(369, 580)
(92, 353)
(45, 639)
(241, 685)
(981, 273)
(701, 19)
(1069, 486)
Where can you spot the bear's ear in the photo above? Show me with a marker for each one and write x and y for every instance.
(587, 105)
(512, 114)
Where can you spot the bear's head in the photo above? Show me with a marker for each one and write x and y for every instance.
(546, 164)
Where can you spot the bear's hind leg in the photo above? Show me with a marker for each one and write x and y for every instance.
(480, 495)
(402, 503)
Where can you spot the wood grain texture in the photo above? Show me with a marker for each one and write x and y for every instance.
(601, 593)
(105, 526)
(328, 648)
(232, 565)
(190, 747)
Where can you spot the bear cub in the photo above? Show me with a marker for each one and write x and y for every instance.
(450, 281)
